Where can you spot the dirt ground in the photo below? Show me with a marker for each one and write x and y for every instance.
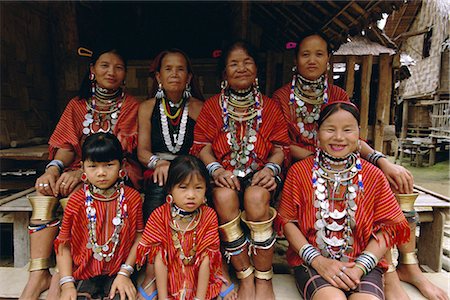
(435, 178)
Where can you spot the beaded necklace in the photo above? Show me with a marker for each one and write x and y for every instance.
(304, 91)
(178, 127)
(105, 118)
(100, 252)
(245, 107)
(334, 228)
(178, 233)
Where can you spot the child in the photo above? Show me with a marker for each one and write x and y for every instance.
(181, 237)
(102, 224)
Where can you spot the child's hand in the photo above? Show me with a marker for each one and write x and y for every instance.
(68, 291)
(124, 286)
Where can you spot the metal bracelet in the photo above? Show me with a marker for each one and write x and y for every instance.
(66, 279)
(212, 167)
(152, 162)
(124, 274)
(56, 163)
(128, 268)
(276, 168)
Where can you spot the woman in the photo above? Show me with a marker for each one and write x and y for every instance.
(301, 101)
(166, 129)
(242, 138)
(102, 105)
(341, 217)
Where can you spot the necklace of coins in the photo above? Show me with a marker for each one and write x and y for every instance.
(303, 92)
(177, 232)
(107, 116)
(179, 132)
(334, 228)
(100, 252)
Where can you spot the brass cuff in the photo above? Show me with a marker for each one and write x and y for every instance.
(261, 231)
(244, 274)
(406, 201)
(391, 268)
(37, 264)
(63, 202)
(44, 207)
(232, 230)
(408, 258)
(266, 275)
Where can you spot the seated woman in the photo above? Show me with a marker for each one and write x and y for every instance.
(166, 129)
(102, 105)
(339, 214)
(242, 138)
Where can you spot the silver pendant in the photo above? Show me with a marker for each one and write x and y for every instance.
(334, 226)
(337, 215)
(334, 241)
(86, 131)
(105, 248)
(116, 221)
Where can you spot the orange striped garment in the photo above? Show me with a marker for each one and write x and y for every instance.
(281, 96)
(377, 209)
(68, 133)
(209, 130)
(74, 232)
(157, 237)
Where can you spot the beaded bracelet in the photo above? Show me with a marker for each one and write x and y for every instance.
(308, 252)
(66, 279)
(128, 268)
(276, 169)
(152, 162)
(56, 163)
(212, 167)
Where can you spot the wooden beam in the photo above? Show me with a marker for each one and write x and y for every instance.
(366, 75)
(350, 76)
(405, 117)
(383, 99)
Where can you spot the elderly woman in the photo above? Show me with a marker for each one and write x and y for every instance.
(166, 129)
(339, 214)
(102, 105)
(301, 102)
(242, 138)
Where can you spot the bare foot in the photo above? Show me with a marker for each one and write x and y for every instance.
(38, 281)
(413, 275)
(247, 288)
(392, 287)
(264, 289)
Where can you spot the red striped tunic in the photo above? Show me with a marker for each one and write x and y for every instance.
(377, 209)
(157, 237)
(209, 130)
(68, 133)
(281, 96)
(74, 232)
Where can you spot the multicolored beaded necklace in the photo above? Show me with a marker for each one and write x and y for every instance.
(239, 107)
(178, 233)
(103, 111)
(177, 130)
(334, 228)
(304, 91)
(100, 252)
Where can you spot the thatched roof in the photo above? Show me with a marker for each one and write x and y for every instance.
(360, 45)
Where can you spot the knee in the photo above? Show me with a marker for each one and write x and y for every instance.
(226, 203)
(257, 203)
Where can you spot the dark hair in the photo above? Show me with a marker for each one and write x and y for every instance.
(183, 166)
(309, 33)
(155, 66)
(330, 109)
(102, 147)
(238, 44)
(85, 89)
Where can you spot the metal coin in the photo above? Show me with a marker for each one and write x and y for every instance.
(89, 245)
(233, 162)
(250, 147)
(321, 188)
(321, 196)
(88, 116)
(105, 248)
(114, 115)
(108, 258)
(86, 123)
(86, 131)
(116, 221)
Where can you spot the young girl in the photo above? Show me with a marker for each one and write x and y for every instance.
(102, 224)
(181, 237)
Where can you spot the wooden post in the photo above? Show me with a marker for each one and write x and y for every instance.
(405, 117)
(270, 71)
(330, 72)
(350, 76)
(240, 16)
(383, 99)
(366, 74)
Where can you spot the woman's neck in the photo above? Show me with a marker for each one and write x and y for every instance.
(174, 97)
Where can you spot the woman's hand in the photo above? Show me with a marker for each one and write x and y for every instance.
(401, 179)
(68, 291)
(68, 181)
(124, 286)
(46, 183)
(224, 178)
(265, 178)
(331, 271)
(161, 171)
